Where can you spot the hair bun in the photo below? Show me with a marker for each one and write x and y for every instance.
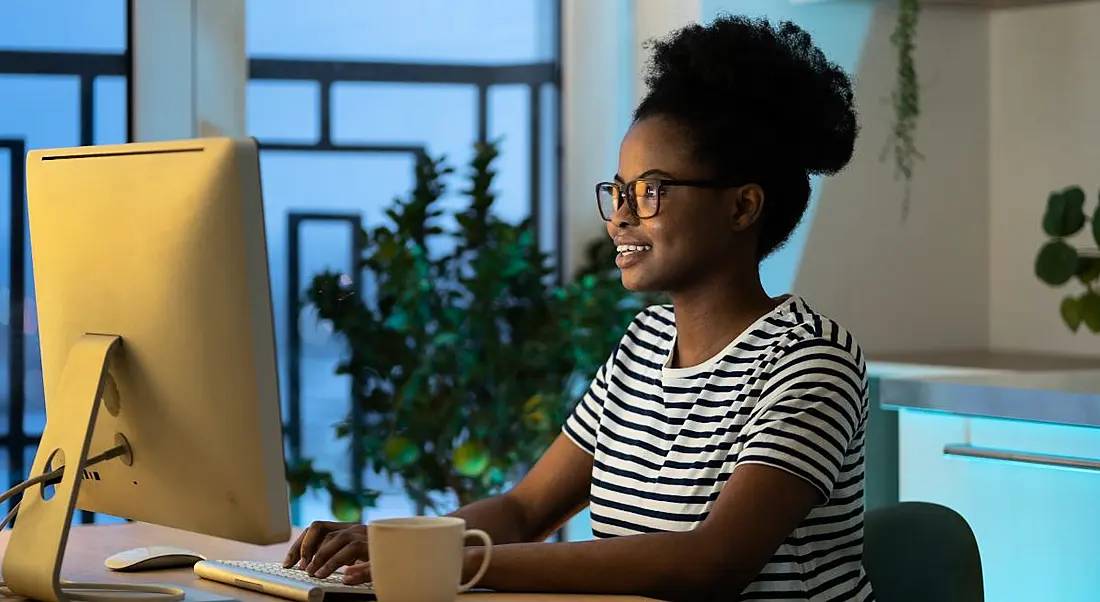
(745, 76)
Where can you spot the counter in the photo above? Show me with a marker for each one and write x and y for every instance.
(1012, 443)
(1060, 390)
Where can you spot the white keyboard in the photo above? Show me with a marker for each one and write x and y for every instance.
(271, 578)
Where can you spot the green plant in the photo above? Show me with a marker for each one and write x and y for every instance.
(469, 354)
(901, 143)
(1059, 262)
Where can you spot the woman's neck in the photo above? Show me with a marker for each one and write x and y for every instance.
(710, 317)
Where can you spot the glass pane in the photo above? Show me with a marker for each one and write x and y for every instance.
(333, 182)
(418, 31)
(442, 118)
(5, 219)
(64, 25)
(44, 110)
(110, 110)
(8, 478)
(283, 111)
(509, 122)
(324, 246)
(439, 117)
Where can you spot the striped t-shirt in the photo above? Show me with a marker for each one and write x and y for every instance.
(789, 392)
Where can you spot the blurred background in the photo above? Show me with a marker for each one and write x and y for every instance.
(937, 268)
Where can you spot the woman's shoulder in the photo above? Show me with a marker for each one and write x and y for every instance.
(807, 325)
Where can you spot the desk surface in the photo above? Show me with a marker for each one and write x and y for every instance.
(90, 545)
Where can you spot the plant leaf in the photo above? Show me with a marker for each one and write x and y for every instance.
(1096, 227)
(345, 506)
(471, 459)
(1089, 305)
(1071, 313)
(401, 452)
(1088, 269)
(1065, 215)
(1056, 263)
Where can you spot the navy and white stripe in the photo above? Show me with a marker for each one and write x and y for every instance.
(789, 392)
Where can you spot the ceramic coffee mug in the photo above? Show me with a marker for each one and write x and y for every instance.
(420, 559)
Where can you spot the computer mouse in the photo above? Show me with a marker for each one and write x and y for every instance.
(152, 558)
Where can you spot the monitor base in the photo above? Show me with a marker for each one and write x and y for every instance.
(32, 563)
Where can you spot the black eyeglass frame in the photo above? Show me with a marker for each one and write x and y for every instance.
(626, 189)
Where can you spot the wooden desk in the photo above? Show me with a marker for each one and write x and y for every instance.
(90, 545)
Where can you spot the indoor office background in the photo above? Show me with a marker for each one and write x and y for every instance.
(341, 95)
(1008, 99)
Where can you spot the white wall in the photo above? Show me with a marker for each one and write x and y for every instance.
(900, 286)
(602, 58)
(1045, 119)
(655, 19)
(190, 69)
(920, 284)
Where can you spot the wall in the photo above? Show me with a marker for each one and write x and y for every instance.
(1045, 94)
(602, 62)
(596, 100)
(204, 41)
(900, 286)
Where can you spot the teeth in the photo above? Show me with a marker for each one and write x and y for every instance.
(632, 248)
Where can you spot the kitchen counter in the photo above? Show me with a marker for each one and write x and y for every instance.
(1009, 441)
(1038, 388)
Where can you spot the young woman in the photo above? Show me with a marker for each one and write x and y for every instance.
(721, 446)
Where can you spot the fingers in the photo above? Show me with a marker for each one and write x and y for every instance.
(294, 552)
(351, 552)
(357, 573)
(301, 553)
(340, 549)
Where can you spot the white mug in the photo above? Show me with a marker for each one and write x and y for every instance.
(420, 559)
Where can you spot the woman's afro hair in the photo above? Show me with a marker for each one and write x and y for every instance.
(761, 103)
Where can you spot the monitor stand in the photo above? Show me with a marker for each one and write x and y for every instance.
(32, 564)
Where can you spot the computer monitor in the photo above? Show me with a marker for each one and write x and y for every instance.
(155, 320)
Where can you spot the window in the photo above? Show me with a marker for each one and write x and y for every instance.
(343, 95)
(63, 82)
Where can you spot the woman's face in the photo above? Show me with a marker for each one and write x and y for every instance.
(698, 232)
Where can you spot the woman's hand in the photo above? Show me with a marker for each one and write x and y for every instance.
(357, 573)
(326, 546)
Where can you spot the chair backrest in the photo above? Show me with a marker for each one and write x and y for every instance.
(921, 552)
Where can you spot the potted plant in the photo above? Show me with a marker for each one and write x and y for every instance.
(469, 353)
(1060, 262)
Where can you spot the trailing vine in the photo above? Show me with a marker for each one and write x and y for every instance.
(906, 98)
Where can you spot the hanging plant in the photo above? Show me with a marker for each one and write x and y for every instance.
(906, 98)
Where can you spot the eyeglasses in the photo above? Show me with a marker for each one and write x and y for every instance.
(643, 195)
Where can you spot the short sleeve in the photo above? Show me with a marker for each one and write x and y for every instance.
(811, 408)
(584, 422)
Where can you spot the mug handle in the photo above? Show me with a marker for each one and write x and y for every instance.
(485, 539)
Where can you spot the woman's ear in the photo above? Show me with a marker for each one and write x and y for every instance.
(748, 203)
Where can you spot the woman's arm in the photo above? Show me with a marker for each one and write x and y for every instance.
(553, 491)
(757, 510)
(794, 448)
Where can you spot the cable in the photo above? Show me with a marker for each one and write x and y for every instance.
(91, 592)
(54, 476)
